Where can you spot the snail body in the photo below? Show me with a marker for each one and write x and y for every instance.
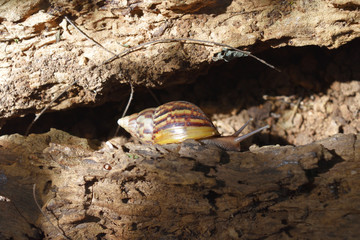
(177, 121)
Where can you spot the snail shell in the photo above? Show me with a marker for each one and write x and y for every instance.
(174, 122)
(171, 122)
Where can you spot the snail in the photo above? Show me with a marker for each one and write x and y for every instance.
(174, 122)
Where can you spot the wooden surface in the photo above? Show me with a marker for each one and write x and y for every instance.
(186, 191)
(41, 54)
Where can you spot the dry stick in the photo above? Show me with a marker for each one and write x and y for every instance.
(187, 40)
(127, 106)
(153, 95)
(294, 110)
(42, 212)
(87, 37)
(17, 209)
(129, 101)
(47, 106)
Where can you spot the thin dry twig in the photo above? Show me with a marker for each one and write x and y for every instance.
(130, 99)
(87, 37)
(43, 213)
(153, 95)
(37, 116)
(295, 110)
(127, 106)
(186, 40)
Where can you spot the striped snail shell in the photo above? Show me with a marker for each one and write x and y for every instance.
(174, 122)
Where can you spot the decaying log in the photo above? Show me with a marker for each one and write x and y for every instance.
(186, 191)
(40, 55)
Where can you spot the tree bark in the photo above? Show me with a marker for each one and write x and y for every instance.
(187, 191)
(43, 55)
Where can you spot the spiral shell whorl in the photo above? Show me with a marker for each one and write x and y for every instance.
(171, 122)
(139, 125)
(177, 121)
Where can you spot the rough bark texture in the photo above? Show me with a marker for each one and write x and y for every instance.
(186, 191)
(35, 67)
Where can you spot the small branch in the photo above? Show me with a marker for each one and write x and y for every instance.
(186, 40)
(47, 218)
(130, 99)
(87, 37)
(153, 95)
(37, 116)
(127, 106)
